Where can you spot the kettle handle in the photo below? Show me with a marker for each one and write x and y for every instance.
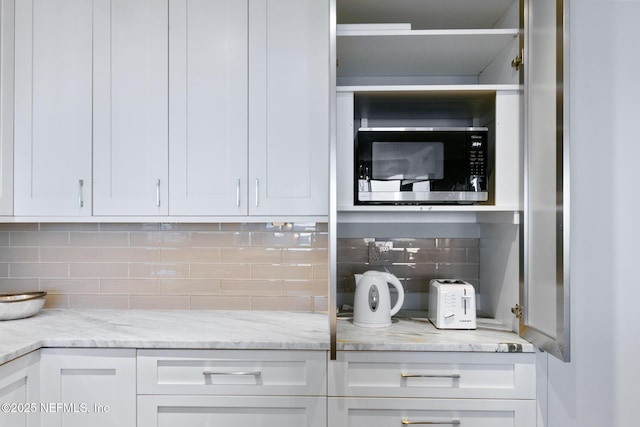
(396, 283)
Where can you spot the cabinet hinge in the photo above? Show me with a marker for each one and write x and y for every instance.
(517, 310)
(517, 61)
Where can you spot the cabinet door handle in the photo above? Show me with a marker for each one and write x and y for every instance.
(453, 376)
(257, 192)
(449, 423)
(238, 192)
(80, 196)
(157, 193)
(236, 373)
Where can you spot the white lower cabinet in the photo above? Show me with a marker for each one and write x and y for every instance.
(470, 389)
(380, 412)
(237, 411)
(285, 388)
(19, 391)
(88, 387)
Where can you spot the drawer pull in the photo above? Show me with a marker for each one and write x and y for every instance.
(247, 373)
(449, 423)
(453, 376)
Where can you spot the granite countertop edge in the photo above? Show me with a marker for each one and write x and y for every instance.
(164, 329)
(240, 330)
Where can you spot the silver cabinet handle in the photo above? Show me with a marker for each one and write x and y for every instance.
(257, 191)
(157, 193)
(238, 192)
(453, 376)
(80, 197)
(449, 423)
(242, 373)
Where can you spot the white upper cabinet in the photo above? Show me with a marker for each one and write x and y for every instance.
(53, 104)
(130, 107)
(249, 107)
(6, 106)
(208, 107)
(442, 42)
(151, 108)
(289, 107)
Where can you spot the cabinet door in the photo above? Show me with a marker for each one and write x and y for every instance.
(130, 97)
(98, 387)
(232, 372)
(352, 412)
(19, 391)
(289, 107)
(281, 411)
(6, 105)
(53, 104)
(208, 107)
(545, 289)
(433, 375)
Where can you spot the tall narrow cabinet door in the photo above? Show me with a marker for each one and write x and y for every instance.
(7, 47)
(289, 107)
(208, 107)
(53, 98)
(545, 292)
(131, 107)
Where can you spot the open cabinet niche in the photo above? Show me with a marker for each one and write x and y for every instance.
(483, 254)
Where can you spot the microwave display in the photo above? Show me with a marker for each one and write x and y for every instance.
(421, 165)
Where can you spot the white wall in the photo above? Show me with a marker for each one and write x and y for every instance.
(600, 386)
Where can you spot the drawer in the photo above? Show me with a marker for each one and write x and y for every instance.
(370, 412)
(251, 411)
(232, 372)
(433, 375)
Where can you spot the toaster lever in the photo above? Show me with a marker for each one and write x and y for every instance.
(465, 300)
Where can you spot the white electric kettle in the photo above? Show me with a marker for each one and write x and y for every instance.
(372, 303)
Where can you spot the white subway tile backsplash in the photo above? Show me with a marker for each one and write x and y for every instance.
(19, 254)
(186, 255)
(99, 269)
(189, 286)
(116, 302)
(282, 271)
(159, 270)
(69, 254)
(99, 239)
(168, 266)
(251, 287)
(415, 261)
(220, 239)
(159, 302)
(199, 302)
(251, 255)
(38, 269)
(130, 286)
(289, 303)
(70, 286)
(39, 238)
(220, 271)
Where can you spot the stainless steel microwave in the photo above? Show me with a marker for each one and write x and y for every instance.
(422, 165)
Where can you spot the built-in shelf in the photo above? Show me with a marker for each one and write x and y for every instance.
(434, 14)
(420, 52)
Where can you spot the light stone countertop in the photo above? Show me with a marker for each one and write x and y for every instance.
(270, 330)
(188, 329)
(413, 332)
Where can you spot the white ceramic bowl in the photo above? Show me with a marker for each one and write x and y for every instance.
(19, 306)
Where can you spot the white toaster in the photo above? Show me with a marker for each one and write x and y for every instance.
(452, 304)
